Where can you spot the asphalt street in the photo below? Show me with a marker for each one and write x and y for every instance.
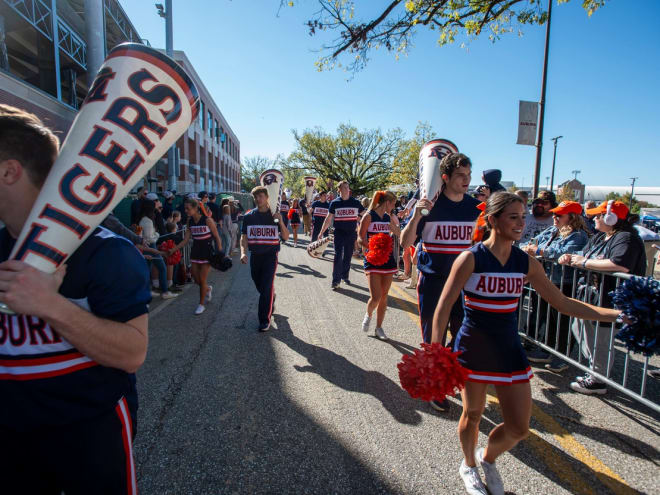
(315, 405)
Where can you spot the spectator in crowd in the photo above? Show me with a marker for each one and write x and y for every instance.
(159, 221)
(589, 219)
(524, 195)
(541, 217)
(150, 235)
(203, 201)
(113, 224)
(214, 208)
(236, 210)
(172, 268)
(176, 218)
(616, 247)
(168, 206)
(568, 235)
(225, 231)
(136, 205)
(482, 193)
(492, 178)
(306, 217)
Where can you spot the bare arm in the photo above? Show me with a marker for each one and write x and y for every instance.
(326, 223)
(283, 230)
(210, 223)
(30, 291)
(362, 231)
(410, 231)
(186, 240)
(458, 277)
(605, 265)
(244, 248)
(394, 226)
(566, 305)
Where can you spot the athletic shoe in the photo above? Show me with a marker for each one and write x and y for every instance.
(168, 295)
(295, 244)
(589, 386)
(365, 323)
(493, 479)
(264, 327)
(472, 480)
(335, 285)
(556, 365)
(538, 356)
(209, 293)
(442, 406)
(346, 281)
(654, 373)
(379, 333)
(200, 309)
(154, 293)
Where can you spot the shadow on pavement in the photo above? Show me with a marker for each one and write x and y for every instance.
(340, 372)
(392, 301)
(301, 269)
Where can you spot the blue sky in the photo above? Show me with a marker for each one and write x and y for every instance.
(602, 96)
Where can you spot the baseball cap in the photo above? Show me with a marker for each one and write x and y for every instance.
(548, 196)
(152, 196)
(618, 208)
(567, 207)
(168, 194)
(481, 206)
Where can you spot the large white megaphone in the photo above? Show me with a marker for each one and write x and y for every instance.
(310, 182)
(430, 157)
(273, 180)
(139, 104)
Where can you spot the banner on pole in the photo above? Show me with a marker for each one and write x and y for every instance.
(528, 117)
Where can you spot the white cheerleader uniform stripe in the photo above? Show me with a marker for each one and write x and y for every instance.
(46, 367)
(501, 378)
(491, 305)
(127, 438)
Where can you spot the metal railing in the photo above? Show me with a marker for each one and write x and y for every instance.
(588, 345)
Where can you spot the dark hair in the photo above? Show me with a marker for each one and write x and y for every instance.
(212, 196)
(170, 226)
(259, 189)
(626, 224)
(452, 161)
(225, 201)
(23, 137)
(148, 209)
(139, 189)
(498, 202)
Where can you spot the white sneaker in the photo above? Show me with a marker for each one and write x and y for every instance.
(154, 293)
(472, 480)
(380, 334)
(169, 295)
(365, 323)
(493, 479)
(295, 244)
(209, 293)
(200, 309)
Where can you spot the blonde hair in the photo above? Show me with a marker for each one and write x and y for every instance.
(381, 197)
(575, 224)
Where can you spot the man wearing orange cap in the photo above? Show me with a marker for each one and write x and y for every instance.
(616, 247)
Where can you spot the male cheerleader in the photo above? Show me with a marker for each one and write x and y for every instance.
(68, 356)
(260, 235)
(345, 211)
(445, 232)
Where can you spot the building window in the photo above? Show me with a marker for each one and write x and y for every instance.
(217, 135)
(210, 125)
(200, 115)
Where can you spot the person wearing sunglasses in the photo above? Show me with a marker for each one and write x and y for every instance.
(541, 217)
(567, 235)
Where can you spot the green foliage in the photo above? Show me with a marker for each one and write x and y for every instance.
(406, 161)
(395, 25)
(251, 168)
(362, 157)
(625, 198)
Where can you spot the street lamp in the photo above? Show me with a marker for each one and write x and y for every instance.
(554, 157)
(632, 191)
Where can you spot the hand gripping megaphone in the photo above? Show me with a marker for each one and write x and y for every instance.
(430, 157)
(273, 180)
(139, 104)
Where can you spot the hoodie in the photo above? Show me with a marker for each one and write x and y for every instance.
(492, 176)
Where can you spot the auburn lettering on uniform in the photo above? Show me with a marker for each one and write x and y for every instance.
(263, 234)
(447, 237)
(378, 227)
(494, 292)
(346, 214)
(320, 212)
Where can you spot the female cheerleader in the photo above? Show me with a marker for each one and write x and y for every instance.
(294, 220)
(378, 221)
(202, 229)
(491, 274)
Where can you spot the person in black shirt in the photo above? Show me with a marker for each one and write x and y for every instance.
(136, 205)
(168, 206)
(616, 247)
(260, 235)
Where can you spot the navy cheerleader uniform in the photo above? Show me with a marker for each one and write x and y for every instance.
(379, 225)
(488, 339)
(320, 212)
(284, 211)
(202, 248)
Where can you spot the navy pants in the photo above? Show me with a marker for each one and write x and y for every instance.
(262, 269)
(429, 290)
(344, 243)
(90, 456)
(316, 230)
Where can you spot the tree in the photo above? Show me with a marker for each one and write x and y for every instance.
(625, 198)
(251, 168)
(363, 158)
(395, 26)
(406, 161)
(294, 178)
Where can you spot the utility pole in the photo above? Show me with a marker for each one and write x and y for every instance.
(575, 173)
(632, 191)
(547, 182)
(539, 139)
(554, 157)
(166, 12)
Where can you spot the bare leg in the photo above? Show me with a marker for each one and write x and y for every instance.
(385, 283)
(474, 401)
(195, 270)
(516, 403)
(203, 288)
(374, 292)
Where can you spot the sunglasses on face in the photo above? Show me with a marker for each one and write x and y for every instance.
(557, 215)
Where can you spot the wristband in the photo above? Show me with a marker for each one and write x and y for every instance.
(584, 263)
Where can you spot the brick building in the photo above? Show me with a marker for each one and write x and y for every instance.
(50, 51)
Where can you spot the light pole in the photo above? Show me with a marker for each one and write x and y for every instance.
(575, 173)
(554, 157)
(539, 139)
(166, 12)
(632, 191)
(547, 181)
